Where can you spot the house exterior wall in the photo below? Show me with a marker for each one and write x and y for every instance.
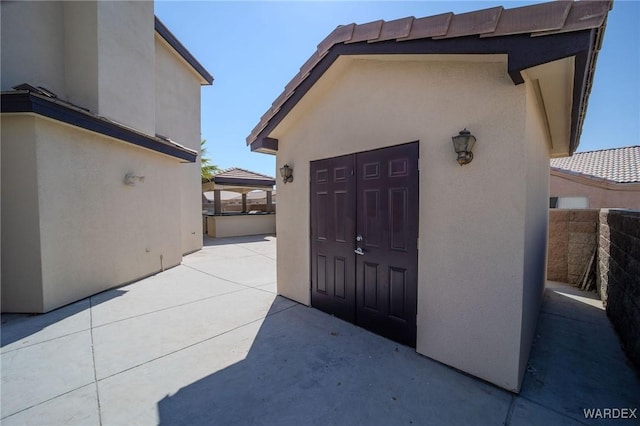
(177, 112)
(81, 54)
(36, 25)
(126, 62)
(626, 196)
(63, 185)
(128, 232)
(98, 55)
(109, 236)
(471, 218)
(536, 166)
(20, 217)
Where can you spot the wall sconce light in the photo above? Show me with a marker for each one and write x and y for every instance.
(286, 172)
(463, 144)
(131, 179)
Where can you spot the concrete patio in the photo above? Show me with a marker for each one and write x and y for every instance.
(209, 342)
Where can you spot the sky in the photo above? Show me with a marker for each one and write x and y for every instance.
(253, 49)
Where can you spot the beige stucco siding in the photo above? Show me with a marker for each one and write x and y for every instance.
(177, 111)
(71, 227)
(125, 61)
(536, 166)
(31, 41)
(96, 232)
(81, 54)
(21, 269)
(472, 218)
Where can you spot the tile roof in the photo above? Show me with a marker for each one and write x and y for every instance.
(620, 165)
(536, 20)
(242, 177)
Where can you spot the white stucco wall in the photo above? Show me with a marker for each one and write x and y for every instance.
(21, 269)
(536, 163)
(472, 238)
(31, 43)
(100, 56)
(177, 111)
(126, 62)
(94, 231)
(81, 54)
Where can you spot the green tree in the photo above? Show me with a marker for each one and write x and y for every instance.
(208, 168)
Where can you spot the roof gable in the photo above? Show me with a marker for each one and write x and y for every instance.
(570, 29)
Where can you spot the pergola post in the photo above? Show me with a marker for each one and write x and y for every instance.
(244, 202)
(269, 202)
(217, 202)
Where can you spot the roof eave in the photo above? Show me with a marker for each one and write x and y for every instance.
(28, 102)
(163, 31)
(523, 52)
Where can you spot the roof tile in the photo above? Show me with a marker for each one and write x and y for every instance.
(366, 32)
(430, 26)
(392, 30)
(341, 34)
(295, 82)
(239, 173)
(620, 165)
(311, 62)
(473, 23)
(534, 18)
(540, 19)
(583, 15)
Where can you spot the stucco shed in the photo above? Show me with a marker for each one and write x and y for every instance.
(381, 226)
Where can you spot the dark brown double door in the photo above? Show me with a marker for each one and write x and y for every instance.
(364, 231)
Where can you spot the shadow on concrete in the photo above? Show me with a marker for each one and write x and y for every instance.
(17, 327)
(208, 241)
(576, 362)
(306, 367)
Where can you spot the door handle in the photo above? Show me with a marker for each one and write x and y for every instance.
(359, 251)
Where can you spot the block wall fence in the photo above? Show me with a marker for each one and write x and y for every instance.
(614, 237)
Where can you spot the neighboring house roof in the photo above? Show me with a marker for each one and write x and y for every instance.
(27, 98)
(230, 195)
(242, 177)
(530, 36)
(168, 36)
(619, 165)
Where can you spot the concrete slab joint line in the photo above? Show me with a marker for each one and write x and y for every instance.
(93, 360)
(194, 344)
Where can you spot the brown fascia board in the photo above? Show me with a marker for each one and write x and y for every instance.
(28, 102)
(168, 36)
(522, 50)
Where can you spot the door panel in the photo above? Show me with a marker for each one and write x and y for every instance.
(388, 223)
(332, 236)
(375, 195)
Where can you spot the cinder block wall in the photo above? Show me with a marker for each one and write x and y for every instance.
(572, 242)
(619, 275)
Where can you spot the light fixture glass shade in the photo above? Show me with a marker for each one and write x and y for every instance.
(463, 145)
(286, 172)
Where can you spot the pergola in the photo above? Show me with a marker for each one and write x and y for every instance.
(241, 181)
